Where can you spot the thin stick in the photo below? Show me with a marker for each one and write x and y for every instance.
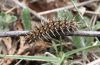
(76, 33)
(13, 33)
(32, 11)
(84, 33)
(67, 7)
(91, 12)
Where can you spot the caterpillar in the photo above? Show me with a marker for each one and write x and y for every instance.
(50, 30)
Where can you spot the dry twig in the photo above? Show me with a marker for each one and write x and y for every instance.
(22, 5)
(67, 7)
(76, 33)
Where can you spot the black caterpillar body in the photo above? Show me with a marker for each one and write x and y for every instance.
(51, 30)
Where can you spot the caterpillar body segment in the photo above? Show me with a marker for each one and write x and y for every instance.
(52, 30)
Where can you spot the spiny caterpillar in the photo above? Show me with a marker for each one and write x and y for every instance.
(50, 30)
